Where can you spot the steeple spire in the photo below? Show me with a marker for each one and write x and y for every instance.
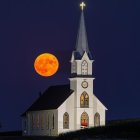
(82, 43)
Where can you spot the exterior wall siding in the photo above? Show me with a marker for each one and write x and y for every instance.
(67, 106)
(45, 130)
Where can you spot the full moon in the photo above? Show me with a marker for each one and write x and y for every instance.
(46, 64)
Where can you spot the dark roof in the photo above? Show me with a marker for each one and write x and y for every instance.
(52, 98)
(78, 56)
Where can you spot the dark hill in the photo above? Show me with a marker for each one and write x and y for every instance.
(122, 129)
(113, 129)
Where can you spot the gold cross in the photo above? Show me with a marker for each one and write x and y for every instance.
(82, 5)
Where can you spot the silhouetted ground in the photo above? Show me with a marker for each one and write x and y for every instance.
(26, 138)
(120, 129)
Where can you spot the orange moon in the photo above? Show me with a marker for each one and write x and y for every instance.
(46, 64)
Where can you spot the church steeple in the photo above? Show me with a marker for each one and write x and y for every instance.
(81, 60)
(82, 42)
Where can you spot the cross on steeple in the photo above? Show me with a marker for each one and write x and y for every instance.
(82, 5)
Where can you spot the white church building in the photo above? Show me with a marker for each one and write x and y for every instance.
(65, 108)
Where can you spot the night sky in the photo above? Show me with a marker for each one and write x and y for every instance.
(31, 27)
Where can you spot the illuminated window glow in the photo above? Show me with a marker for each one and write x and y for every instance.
(84, 120)
(84, 100)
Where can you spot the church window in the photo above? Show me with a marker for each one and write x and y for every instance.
(37, 121)
(42, 121)
(66, 121)
(97, 119)
(84, 100)
(25, 124)
(32, 121)
(84, 120)
(84, 68)
(73, 67)
(47, 121)
(53, 121)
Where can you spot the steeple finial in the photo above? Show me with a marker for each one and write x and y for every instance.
(82, 5)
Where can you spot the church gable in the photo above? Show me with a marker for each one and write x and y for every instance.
(98, 102)
(86, 57)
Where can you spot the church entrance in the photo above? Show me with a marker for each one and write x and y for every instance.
(84, 120)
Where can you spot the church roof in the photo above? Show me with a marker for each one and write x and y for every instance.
(82, 42)
(52, 98)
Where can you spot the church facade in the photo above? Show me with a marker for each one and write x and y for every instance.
(65, 108)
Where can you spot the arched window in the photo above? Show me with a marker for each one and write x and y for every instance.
(97, 119)
(66, 121)
(84, 100)
(53, 121)
(47, 121)
(37, 121)
(24, 124)
(84, 68)
(73, 67)
(42, 121)
(32, 121)
(84, 120)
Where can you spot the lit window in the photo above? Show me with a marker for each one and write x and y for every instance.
(84, 100)
(84, 120)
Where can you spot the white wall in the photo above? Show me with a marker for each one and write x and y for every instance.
(67, 106)
(43, 130)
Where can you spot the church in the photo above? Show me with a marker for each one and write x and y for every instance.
(76, 106)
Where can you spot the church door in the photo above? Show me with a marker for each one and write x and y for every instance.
(84, 120)
(97, 119)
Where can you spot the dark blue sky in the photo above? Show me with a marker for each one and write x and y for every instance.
(31, 27)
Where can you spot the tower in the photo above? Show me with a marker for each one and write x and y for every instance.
(81, 80)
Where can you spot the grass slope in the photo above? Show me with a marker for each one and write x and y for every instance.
(114, 129)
